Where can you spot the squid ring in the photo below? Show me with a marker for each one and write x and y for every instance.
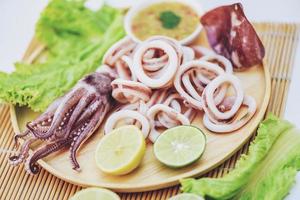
(174, 43)
(128, 61)
(130, 91)
(222, 128)
(166, 73)
(124, 68)
(202, 51)
(227, 64)
(120, 48)
(208, 96)
(152, 112)
(154, 64)
(164, 119)
(173, 102)
(188, 54)
(122, 114)
(105, 69)
(195, 64)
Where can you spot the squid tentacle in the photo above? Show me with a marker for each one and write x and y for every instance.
(84, 101)
(43, 120)
(18, 136)
(85, 131)
(23, 153)
(84, 107)
(66, 106)
(32, 167)
(88, 112)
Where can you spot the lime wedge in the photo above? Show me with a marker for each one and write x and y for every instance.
(94, 194)
(180, 146)
(120, 151)
(186, 196)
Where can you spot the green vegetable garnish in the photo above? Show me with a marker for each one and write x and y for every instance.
(76, 39)
(169, 19)
(267, 172)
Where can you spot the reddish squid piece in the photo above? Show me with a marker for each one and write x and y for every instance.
(231, 35)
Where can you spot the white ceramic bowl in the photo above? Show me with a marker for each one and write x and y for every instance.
(135, 9)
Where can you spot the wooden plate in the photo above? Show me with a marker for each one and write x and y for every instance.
(151, 174)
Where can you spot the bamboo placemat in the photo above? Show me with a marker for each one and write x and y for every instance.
(280, 41)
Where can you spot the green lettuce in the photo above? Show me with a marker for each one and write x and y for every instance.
(76, 39)
(267, 172)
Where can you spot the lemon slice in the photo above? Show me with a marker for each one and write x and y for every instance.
(120, 151)
(186, 196)
(95, 194)
(180, 146)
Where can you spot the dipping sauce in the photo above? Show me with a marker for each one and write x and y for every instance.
(172, 19)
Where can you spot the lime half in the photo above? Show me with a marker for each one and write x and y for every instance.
(120, 151)
(180, 146)
(186, 196)
(94, 194)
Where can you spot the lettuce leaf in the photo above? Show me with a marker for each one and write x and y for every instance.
(266, 172)
(76, 39)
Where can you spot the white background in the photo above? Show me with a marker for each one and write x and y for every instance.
(18, 17)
